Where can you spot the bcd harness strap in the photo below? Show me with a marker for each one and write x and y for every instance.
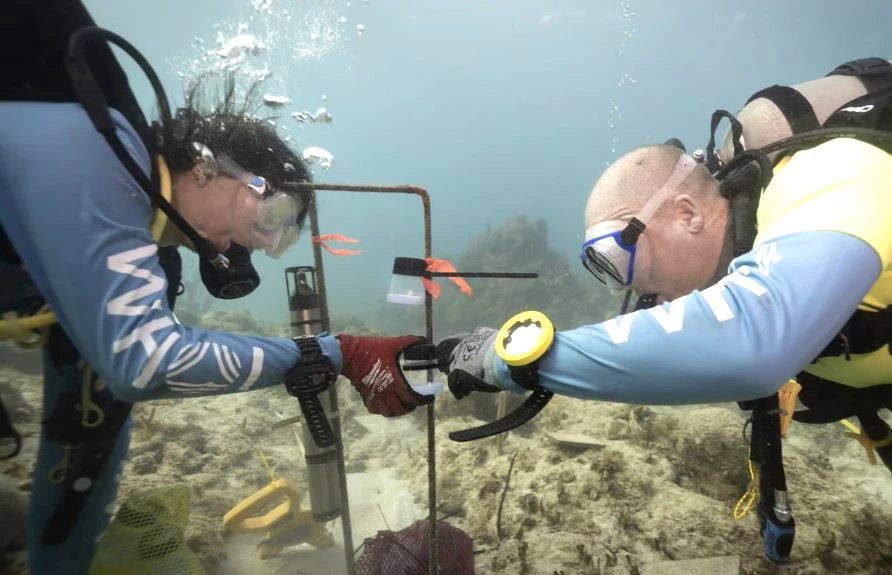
(93, 445)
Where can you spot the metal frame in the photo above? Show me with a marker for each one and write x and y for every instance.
(312, 188)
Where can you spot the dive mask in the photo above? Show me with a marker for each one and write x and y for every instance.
(610, 257)
(268, 220)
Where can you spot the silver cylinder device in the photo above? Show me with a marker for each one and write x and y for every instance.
(322, 465)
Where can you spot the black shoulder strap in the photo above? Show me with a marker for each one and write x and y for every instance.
(712, 161)
(795, 107)
(36, 35)
(7, 252)
(874, 73)
(172, 264)
(99, 448)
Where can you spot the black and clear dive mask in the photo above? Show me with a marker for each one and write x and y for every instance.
(270, 224)
(610, 255)
(269, 220)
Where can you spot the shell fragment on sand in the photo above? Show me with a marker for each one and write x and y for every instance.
(574, 440)
(729, 565)
(287, 422)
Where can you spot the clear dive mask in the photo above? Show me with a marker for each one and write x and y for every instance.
(268, 220)
(610, 257)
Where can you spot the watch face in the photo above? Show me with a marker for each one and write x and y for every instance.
(524, 338)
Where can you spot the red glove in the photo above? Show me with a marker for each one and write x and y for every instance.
(372, 366)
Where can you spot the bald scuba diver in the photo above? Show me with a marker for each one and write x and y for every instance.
(761, 266)
(96, 201)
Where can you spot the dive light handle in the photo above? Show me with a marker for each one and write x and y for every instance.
(313, 375)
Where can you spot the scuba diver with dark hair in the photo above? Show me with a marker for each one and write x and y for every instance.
(95, 202)
(763, 267)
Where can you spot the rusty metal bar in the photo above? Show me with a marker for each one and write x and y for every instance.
(346, 521)
(428, 324)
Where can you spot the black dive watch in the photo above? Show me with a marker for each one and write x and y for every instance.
(313, 375)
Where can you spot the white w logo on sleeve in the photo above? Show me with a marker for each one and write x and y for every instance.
(229, 365)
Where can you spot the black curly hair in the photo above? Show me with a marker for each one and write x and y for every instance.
(232, 127)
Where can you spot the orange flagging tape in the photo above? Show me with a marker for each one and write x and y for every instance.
(435, 265)
(336, 238)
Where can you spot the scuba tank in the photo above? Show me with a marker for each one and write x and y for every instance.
(774, 114)
(852, 101)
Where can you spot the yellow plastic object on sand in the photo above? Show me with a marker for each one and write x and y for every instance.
(285, 525)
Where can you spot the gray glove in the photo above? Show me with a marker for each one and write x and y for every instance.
(469, 361)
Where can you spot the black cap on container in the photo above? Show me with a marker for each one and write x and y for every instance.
(409, 267)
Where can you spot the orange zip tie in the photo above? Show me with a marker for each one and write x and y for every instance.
(786, 399)
(435, 265)
(337, 238)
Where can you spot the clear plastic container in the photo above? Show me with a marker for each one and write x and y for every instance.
(428, 388)
(406, 286)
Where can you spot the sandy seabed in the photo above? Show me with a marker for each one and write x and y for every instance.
(659, 485)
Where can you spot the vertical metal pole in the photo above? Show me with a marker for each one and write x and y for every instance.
(429, 333)
(433, 549)
(346, 524)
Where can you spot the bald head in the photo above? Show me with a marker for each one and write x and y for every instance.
(631, 180)
(684, 244)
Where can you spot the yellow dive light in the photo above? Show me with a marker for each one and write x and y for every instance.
(285, 525)
(524, 338)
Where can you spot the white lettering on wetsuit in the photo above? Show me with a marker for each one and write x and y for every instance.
(189, 355)
(123, 263)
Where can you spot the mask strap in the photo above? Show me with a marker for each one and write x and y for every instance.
(636, 225)
(683, 167)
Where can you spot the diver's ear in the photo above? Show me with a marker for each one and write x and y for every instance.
(200, 174)
(689, 212)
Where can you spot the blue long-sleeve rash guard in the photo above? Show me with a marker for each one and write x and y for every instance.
(79, 222)
(740, 339)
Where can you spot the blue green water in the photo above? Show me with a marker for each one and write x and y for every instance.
(498, 108)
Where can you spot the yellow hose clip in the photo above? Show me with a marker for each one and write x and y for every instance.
(751, 495)
(91, 414)
(58, 473)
